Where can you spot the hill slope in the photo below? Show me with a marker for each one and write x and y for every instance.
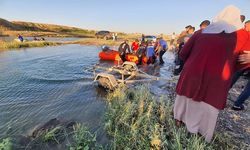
(39, 29)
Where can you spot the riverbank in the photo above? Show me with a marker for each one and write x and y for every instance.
(134, 119)
(100, 42)
(96, 42)
(16, 45)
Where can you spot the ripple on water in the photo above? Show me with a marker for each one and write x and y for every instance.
(39, 84)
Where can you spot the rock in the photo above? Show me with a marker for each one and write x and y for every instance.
(47, 126)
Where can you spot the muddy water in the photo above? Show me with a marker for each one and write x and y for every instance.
(38, 84)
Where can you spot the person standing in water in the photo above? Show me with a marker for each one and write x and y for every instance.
(135, 46)
(161, 48)
(123, 49)
(150, 53)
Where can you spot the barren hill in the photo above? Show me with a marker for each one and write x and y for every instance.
(39, 29)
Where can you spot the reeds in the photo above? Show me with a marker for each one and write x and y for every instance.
(16, 45)
(97, 42)
(135, 119)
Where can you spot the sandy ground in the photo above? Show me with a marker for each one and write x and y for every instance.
(236, 124)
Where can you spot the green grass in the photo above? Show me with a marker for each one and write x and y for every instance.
(137, 120)
(83, 139)
(52, 135)
(6, 144)
(15, 45)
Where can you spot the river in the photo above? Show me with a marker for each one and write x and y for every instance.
(38, 84)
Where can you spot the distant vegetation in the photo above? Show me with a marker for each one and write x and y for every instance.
(14, 45)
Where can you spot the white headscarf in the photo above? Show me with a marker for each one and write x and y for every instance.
(227, 20)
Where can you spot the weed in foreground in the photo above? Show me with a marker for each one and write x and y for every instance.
(135, 119)
(6, 144)
(83, 139)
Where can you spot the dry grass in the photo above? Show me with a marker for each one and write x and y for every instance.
(40, 29)
(98, 42)
(16, 45)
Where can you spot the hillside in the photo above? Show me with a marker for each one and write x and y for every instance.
(39, 29)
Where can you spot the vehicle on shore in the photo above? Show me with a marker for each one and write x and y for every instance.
(150, 38)
(103, 35)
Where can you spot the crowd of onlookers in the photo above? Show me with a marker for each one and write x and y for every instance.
(209, 61)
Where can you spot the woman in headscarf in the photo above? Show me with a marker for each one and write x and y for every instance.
(210, 57)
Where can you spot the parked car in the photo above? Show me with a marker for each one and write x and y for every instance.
(150, 38)
(103, 35)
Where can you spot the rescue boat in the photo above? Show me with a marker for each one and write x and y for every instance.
(113, 55)
(109, 55)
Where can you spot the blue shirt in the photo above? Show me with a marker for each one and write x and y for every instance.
(163, 43)
(150, 51)
(20, 38)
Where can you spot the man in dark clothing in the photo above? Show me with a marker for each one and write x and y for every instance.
(141, 52)
(20, 38)
(238, 104)
(123, 48)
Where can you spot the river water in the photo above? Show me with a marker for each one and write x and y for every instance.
(38, 84)
(49, 39)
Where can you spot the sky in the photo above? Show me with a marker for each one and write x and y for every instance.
(130, 16)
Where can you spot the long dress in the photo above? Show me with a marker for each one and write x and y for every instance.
(210, 61)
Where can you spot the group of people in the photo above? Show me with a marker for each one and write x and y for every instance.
(39, 39)
(149, 49)
(183, 38)
(212, 59)
(114, 36)
(21, 39)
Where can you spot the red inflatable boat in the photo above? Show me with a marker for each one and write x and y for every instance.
(114, 56)
(109, 55)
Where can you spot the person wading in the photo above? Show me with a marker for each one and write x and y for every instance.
(123, 49)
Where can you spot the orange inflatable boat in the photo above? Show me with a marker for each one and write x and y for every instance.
(113, 55)
(109, 55)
